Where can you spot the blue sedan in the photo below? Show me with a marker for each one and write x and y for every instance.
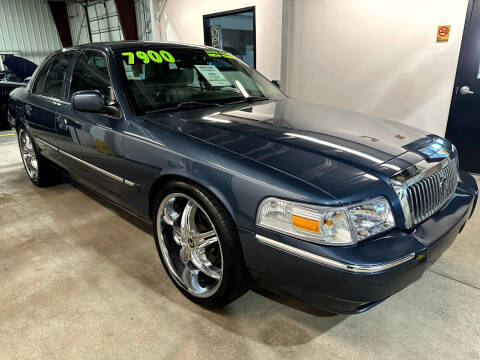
(243, 185)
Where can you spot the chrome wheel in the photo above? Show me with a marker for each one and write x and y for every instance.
(29, 156)
(189, 245)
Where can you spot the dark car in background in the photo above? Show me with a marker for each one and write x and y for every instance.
(243, 185)
(5, 88)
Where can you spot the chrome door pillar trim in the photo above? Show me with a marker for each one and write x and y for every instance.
(333, 263)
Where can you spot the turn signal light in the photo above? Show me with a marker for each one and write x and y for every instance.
(305, 224)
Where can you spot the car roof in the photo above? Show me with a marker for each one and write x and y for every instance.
(121, 45)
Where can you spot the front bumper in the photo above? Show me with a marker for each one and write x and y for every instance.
(355, 278)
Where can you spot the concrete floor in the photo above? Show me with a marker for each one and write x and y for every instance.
(79, 279)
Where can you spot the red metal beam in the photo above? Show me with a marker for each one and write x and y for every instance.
(128, 21)
(60, 16)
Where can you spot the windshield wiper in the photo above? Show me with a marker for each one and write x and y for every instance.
(183, 105)
(250, 99)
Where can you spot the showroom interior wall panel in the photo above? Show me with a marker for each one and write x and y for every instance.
(27, 29)
(182, 20)
(377, 57)
(144, 17)
(78, 24)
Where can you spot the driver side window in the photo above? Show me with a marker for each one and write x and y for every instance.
(91, 73)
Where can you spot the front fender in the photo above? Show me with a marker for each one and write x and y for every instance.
(238, 182)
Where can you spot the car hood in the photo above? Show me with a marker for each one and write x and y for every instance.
(318, 144)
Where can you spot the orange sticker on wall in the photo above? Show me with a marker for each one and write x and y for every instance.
(443, 33)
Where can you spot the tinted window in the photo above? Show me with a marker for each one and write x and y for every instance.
(41, 79)
(56, 75)
(91, 73)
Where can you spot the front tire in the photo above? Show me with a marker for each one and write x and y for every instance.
(198, 244)
(39, 170)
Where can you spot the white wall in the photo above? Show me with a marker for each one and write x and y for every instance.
(27, 29)
(182, 20)
(379, 57)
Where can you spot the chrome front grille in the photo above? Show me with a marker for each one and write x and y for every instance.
(429, 194)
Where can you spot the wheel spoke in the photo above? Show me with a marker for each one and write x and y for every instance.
(177, 236)
(199, 259)
(185, 255)
(190, 279)
(203, 242)
(187, 223)
(204, 235)
(28, 143)
(169, 214)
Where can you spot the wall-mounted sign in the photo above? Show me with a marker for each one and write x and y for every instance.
(443, 33)
(216, 36)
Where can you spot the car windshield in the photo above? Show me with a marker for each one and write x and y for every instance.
(168, 78)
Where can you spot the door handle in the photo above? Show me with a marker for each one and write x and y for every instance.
(465, 90)
(62, 122)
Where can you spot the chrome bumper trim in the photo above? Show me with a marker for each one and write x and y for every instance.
(333, 263)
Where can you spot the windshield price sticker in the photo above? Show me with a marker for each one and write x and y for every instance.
(215, 53)
(213, 75)
(149, 55)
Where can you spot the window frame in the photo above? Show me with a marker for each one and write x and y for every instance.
(233, 12)
(48, 65)
(79, 55)
(68, 98)
(45, 67)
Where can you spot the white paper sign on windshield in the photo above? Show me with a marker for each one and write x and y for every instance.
(213, 75)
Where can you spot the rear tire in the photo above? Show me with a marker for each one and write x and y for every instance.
(3, 116)
(185, 219)
(40, 170)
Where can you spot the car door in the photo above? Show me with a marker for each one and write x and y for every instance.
(44, 98)
(463, 128)
(92, 143)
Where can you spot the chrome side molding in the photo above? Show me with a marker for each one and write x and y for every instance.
(333, 263)
(93, 167)
(87, 164)
(47, 144)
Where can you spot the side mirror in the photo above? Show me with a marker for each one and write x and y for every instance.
(276, 83)
(88, 100)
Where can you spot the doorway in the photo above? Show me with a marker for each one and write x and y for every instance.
(463, 128)
(232, 31)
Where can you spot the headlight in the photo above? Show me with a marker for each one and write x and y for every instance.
(326, 225)
(371, 217)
